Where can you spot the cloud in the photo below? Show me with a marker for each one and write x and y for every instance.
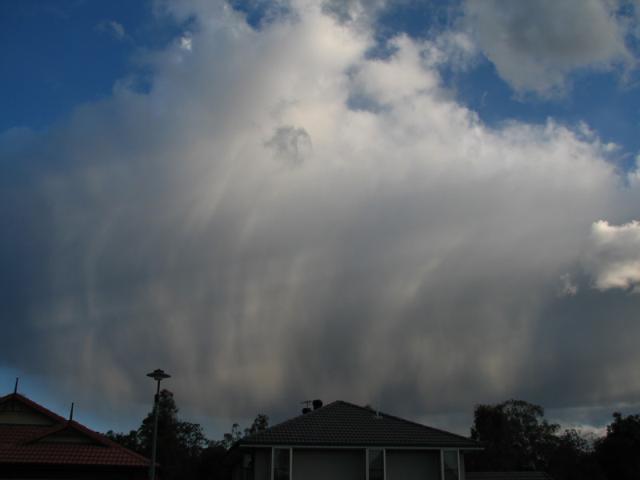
(418, 251)
(354, 11)
(186, 42)
(115, 29)
(614, 258)
(568, 286)
(536, 45)
(291, 145)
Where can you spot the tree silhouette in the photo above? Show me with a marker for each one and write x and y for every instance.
(180, 444)
(515, 435)
(619, 451)
(260, 423)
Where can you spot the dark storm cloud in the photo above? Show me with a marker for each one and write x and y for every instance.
(415, 262)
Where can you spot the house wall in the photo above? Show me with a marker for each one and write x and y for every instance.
(328, 464)
(71, 472)
(413, 465)
(346, 464)
(262, 464)
(15, 413)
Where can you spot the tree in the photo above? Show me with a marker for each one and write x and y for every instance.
(180, 444)
(260, 423)
(212, 465)
(516, 437)
(573, 458)
(619, 451)
(183, 450)
(129, 440)
(230, 438)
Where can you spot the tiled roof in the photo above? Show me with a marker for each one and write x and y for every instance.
(35, 444)
(507, 476)
(344, 424)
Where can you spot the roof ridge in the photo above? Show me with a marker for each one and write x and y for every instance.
(277, 425)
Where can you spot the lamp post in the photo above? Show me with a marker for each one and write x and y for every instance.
(158, 375)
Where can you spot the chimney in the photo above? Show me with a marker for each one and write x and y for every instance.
(317, 403)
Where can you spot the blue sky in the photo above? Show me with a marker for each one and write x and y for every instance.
(178, 160)
(57, 55)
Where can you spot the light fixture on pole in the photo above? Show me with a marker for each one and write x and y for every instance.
(158, 375)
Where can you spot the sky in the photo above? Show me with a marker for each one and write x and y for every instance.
(422, 206)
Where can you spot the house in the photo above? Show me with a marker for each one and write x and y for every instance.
(37, 443)
(507, 476)
(345, 441)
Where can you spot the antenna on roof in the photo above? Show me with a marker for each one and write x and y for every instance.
(71, 412)
(377, 413)
(307, 406)
(15, 387)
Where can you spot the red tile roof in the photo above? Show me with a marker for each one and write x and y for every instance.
(35, 444)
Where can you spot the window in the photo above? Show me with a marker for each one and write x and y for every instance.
(247, 466)
(281, 464)
(375, 460)
(450, 465)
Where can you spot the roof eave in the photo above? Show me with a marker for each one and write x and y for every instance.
(359, 446)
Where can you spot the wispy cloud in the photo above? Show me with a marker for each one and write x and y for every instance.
(113, 28)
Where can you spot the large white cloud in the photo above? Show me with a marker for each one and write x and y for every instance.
(241, 226)
(535, 45)
(615, 257)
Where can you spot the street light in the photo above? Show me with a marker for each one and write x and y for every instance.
(158, 375)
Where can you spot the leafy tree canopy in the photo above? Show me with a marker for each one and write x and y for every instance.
(619, 451)
(515, 434)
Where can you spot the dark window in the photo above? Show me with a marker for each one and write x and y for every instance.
(247, 467)
(376, 464)
(281, 464)
(450, 464)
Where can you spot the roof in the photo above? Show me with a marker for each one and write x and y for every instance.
(61, 442)
(507, 476)
(345, 424)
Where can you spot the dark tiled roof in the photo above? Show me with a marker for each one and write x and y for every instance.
(507, 476)
(344, 424)
(31, 444)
